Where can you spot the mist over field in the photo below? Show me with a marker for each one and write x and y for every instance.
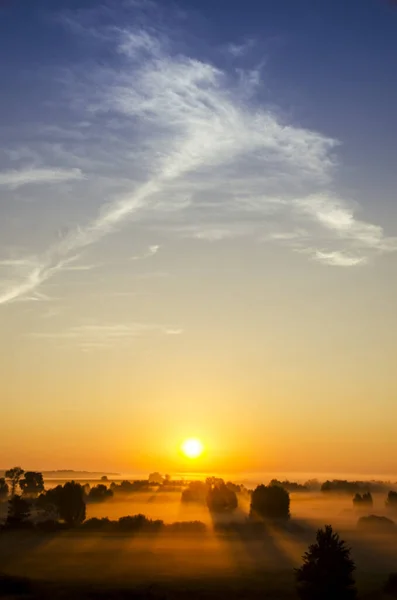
(227, 553)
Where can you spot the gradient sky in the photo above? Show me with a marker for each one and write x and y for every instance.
(198, 228)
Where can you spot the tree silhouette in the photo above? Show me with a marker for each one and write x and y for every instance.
(270, 502)
(14, 475)
(99, 493)
(3, 489)
(156, 478)
(221, 499)
(376, 524)
(128, 487)
(195, 492)
(18, 512)
(363, 501)
(68, 500)
(327, 570)
(391, 500)
(32, 484)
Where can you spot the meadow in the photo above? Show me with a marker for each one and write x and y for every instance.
(224, 560)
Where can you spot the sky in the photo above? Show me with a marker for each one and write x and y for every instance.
(198, 234)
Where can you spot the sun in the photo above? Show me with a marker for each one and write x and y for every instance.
(192, 448)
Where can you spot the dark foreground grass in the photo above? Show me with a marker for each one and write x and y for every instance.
(70, 565)
(266, 586)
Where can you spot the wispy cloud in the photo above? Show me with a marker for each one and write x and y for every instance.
(338, 259)
(181, 144)
(238, 50)
(17, 178)
(337, 216)
(105, 335)
(152, 250)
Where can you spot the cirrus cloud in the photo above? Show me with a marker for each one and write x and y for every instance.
(181, 145)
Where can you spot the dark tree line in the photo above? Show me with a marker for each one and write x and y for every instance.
(343, 486)
(290, 486)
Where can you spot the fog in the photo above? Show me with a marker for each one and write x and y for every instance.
(222, 555)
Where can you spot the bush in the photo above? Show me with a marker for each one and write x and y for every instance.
(186, 527)
(96, 524)
(375, 523)
(270, 502)
(138, 523)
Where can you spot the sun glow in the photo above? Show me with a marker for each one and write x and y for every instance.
(192, 448)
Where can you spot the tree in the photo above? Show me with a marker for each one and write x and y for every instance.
(14, 475)
(327, 570)
(221, 499)
(18, 512)
(391, 501)
(363, 501)
(99, 493)
(32, 484)
(214, 481)
(156, 478)
(3, 489)
(68, 500)
(104, 478)
(270, 502)
(195, 492)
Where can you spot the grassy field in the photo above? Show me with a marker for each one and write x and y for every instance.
(213, 564)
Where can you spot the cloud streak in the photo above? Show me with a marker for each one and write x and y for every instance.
(105, 335)
(152, 250)
(204, 157)
(17, 178)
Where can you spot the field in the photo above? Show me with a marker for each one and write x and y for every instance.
(232, 564)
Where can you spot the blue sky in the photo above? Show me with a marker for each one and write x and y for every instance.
(178, 173)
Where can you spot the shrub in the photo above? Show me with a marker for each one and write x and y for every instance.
(186, 527)
(375, 523)
(138, 523)
(95, 524)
